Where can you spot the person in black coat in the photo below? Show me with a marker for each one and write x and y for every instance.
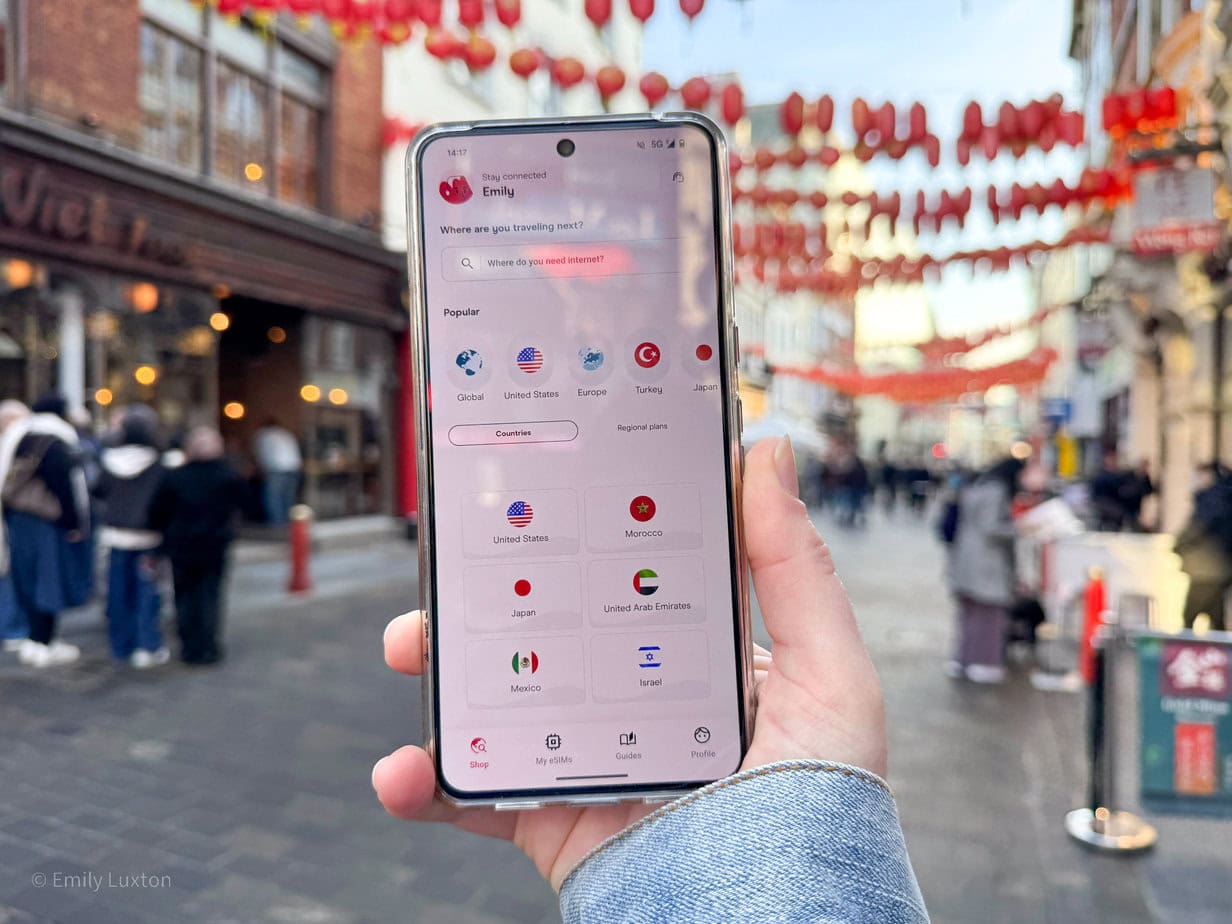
(195, 509)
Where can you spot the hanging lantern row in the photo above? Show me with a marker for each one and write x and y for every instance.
(807, 271)
(392, 21)
(927, 385)
(1141, 111)
(936, 349)
(1103, 185)
(1039, 124)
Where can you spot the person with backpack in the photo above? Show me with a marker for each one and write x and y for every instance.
(130, 475)
(982, 573)
(46, 514)
(1205, 546)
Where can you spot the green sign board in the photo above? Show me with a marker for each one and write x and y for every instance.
(1186, 688)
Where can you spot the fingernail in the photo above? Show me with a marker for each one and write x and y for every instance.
(785, 466)
(376, 768)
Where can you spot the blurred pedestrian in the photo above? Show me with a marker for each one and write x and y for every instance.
(919, 482)
(1135, 489)
(1205, 546)
(195, 509)
(130, 475)
(280, 461)
(13, 626)
(887, 476)
(981, 573)
(1107, 502)
(46, 511)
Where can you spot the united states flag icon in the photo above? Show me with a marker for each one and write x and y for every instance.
(519, 514)
(530, 359)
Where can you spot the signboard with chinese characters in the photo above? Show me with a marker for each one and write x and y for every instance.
(1186, 689)
(1174, 211)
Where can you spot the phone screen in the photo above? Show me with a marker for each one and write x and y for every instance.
(585, 623)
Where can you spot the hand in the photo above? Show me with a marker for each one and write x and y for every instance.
(817, 693)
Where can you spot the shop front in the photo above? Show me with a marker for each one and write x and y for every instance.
(123, 280)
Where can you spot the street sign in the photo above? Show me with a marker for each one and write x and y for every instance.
(1186, 691)
(1174, 211)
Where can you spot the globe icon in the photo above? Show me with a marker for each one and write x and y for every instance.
(591, 358)
(470, 362)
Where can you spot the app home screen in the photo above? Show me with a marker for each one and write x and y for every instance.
(584, 624)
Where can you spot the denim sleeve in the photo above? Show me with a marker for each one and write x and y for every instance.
(792, 841)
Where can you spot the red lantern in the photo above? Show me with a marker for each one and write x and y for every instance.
(764, 159)
(524, 62)
(479, 53)
(691, 8)
(441, 44)
(884, 120)
(861, 118)
(470, 13)
(610, 80)
(796, 157)
(973, 123)
(230, 7)
(399, 12)
(509, 12)
(825, 114)
(731, 102)
(828, 156)
(791, 114)
(653, 86)
(430, 12)
(363, 11)
(302, 8)
(568, 72)
(598, 12)
(642, 9)
(695, 92)
(917, 123)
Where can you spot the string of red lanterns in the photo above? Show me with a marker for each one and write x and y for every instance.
(927, 384)
(807, 271)
(1103, 185)
(393, 21)
(935, 349)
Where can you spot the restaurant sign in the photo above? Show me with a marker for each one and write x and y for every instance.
(1186, 690)
(1174, 211)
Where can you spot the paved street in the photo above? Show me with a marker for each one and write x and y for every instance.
(247, 786)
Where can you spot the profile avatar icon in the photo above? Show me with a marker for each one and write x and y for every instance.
(591, 358)
(470, 362)
(455, 190)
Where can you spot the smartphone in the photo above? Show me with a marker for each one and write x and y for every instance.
(579, 459)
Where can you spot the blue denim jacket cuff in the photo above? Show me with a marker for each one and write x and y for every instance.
(790, 841)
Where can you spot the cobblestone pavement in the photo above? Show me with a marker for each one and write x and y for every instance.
(247, 786)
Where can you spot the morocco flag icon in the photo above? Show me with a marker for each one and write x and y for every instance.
(642, 508)
(525, 663)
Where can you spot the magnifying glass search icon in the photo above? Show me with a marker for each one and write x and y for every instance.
(466, 261)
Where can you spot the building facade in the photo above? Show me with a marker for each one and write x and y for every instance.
(189, 217)
(1145, 342)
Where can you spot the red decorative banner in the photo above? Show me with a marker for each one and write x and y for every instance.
(927, 385)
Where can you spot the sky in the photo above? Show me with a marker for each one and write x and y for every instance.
(940, 52)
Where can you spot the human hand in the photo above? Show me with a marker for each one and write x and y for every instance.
(817, 693)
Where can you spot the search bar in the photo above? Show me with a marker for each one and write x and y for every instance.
(552, 261)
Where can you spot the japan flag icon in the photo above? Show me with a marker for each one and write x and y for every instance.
(455, 190)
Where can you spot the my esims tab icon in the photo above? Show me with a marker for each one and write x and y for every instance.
(455, 190)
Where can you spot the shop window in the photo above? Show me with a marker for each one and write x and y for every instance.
(300, 142)
(242, 128)
(267, 112)
(169, 91)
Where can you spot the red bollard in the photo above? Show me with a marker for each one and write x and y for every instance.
(299, 541)
(1094, 602)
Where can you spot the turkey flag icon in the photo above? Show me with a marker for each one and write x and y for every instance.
(455, 190)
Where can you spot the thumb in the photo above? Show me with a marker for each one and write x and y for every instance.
(803, 603)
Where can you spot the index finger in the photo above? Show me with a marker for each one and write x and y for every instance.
(404, 643)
